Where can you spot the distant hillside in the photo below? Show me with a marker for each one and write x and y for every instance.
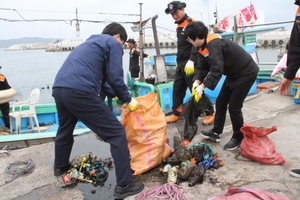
(25, 40)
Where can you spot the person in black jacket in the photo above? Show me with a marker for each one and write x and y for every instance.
(219, 56)
(4, 106)
(185, 67)
(293, 64)
(134, 53)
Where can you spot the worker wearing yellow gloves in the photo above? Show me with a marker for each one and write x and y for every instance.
(220, 56)
(76, 90)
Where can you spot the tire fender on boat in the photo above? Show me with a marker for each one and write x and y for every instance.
(280, 42)
(266, 42)
(273, 42)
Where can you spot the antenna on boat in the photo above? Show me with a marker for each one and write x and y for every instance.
(77, 25)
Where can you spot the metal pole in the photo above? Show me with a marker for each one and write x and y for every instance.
(236, 39)
(155, 35)
(142, 77)
(271, 23)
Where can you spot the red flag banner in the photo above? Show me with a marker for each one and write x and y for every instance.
(245, 12)
(224, 24)
(252, 11)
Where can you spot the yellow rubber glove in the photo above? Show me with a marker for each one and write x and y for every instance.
(149, 57)
(189, 68)
(195, 85)
(198, 91)
(133, 105)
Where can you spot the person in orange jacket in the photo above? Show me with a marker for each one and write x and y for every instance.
(4, 106)
(220, 56)
(134, 54)
(185, 67)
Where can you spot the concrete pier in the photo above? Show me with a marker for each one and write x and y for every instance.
(265, 109)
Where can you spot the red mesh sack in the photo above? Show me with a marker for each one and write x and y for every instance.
(257, 146)
(243, 193)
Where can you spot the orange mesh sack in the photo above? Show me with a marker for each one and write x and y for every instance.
(257, 146)
(146, 132)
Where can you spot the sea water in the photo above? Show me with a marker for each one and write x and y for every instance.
(29, 69)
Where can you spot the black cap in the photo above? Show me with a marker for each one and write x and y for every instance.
(131, 40)
(174, 5)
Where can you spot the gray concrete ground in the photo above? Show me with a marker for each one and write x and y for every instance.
(265, 109)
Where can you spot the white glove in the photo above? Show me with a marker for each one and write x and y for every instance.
(195, 85)
(189, 68)
(198, 91)
(133, 105)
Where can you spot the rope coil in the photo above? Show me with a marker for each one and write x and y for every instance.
(15, 172)
(172, 191)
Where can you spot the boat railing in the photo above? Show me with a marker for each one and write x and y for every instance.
(236, 27)
(265, 24)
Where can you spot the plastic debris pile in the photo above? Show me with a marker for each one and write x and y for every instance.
(190, 164)
(88, 169)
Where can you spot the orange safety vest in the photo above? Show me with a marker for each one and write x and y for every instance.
(298, 15)
(186, 22)
(209, 38)
(2, 77)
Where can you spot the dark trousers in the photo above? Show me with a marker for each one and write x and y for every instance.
(181, 83)
(5, 113)
(73, 105)
(234, 99)
(109, 100)
(134, 73)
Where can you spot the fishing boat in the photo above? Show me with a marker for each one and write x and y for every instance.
(48, 123)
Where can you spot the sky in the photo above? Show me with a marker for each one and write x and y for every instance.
(122, 11)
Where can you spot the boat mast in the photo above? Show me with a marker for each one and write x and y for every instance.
(142, 77)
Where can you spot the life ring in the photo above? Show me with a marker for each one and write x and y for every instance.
(273, 42)
(161, 44)
(150, 44)
(7, 95)
(280, 42)
(266, 42)
(172, 44)
(167, 44)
